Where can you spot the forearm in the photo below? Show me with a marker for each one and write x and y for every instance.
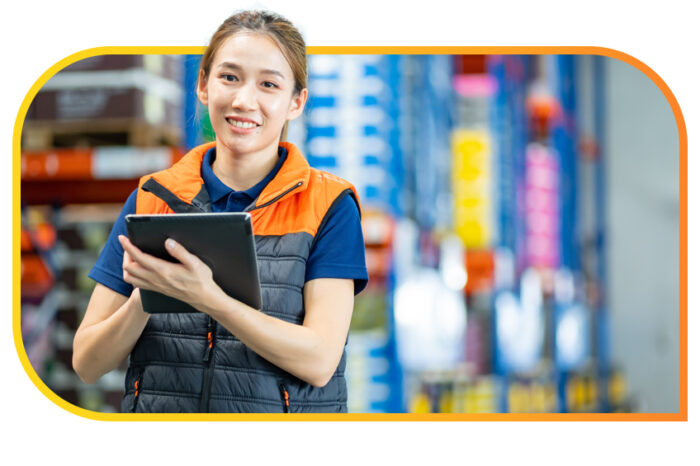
(297, 349)
(100, 347)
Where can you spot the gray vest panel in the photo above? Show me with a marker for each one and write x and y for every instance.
(175, 371)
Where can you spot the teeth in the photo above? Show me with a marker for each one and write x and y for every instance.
(242, 124)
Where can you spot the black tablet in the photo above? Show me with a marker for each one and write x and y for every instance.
(223, 241)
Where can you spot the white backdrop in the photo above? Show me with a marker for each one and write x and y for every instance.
(38, 34)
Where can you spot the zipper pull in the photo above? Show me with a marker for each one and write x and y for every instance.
(285, 398)
(210, 346)
(211, 335)
(136, 393)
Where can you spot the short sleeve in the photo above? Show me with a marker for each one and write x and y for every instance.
(108, 269)
(339, 248)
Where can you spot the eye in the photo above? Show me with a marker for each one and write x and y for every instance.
(269, 84)
(229, 77)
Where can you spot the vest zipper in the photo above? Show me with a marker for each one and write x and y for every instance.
(209, 373)
(137, 388)
(285, 398)
(210, 345)
(276, 198)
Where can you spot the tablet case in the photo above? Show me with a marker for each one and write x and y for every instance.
(223, 241)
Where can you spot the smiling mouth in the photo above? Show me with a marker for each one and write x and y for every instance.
(241, 124)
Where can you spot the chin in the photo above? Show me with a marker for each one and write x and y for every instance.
(240, 145)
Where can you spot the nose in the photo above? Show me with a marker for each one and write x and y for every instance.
(244, 98)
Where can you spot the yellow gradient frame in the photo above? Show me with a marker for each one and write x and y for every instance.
(681, 415)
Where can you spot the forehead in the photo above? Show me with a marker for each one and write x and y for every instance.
(252, 51)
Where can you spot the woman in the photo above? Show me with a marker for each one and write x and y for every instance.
(232, 358)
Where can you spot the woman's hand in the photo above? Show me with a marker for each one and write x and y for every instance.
(190, 281)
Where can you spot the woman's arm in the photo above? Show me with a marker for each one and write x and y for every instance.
(108, 332)
(310, 351)
(112, 322)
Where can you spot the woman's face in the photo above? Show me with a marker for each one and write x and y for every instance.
(250, 94)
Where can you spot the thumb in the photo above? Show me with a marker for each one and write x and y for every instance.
(179, 252)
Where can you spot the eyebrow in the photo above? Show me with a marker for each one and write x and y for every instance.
(236, 67)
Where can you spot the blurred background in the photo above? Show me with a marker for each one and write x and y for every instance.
(520, 214)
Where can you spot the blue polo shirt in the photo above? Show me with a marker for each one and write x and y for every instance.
(339, 250)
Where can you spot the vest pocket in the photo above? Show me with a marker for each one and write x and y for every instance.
(137, 391)
(284, 394)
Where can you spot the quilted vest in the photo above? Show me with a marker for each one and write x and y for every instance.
(190, 363)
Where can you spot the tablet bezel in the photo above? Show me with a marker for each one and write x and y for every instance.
(203, 234)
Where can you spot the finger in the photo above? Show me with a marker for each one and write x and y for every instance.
(131, 252)
(127, 259)
(138, 277)
(128, 277)
(136, 255)
(131, 270)
(179, 252)
(136, 270)
(141, 284)
(146, 284)
(125, 262)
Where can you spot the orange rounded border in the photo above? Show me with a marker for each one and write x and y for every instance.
(681, 415)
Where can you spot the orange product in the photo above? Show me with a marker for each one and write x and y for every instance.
(480, 267)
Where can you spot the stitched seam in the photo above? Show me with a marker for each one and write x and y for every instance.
(223, 367)
(317, 403)
(191, 365)
(246, 370)
(228, 368)
(165, 393)
(162, 333)
(282, 285)
(253, 399)
(287, 257)
(234, 398)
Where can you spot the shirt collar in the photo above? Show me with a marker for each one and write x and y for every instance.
(217, 189)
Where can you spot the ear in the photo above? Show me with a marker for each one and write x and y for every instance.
(202, 93)
(296, 106)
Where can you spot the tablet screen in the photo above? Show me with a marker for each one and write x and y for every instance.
(223, 241)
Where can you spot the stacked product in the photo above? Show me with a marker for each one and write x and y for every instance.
(90, 133)
(108, 99)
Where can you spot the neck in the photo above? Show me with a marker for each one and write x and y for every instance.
(243, 171)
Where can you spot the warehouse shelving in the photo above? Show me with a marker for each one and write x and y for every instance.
(446, 152)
